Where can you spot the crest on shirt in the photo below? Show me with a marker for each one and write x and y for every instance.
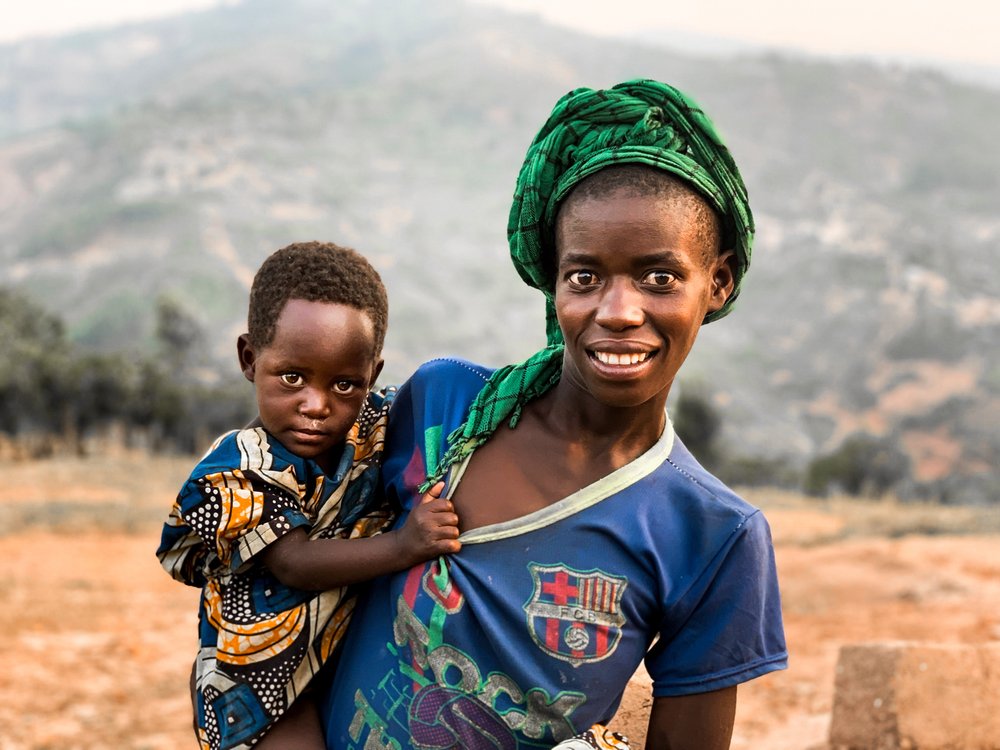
(575, 615)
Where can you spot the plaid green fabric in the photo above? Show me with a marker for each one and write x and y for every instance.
(500, 400)
(638, 122)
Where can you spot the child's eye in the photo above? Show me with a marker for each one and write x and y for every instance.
(291, 378)
(582, 278)
(659, 278)
(344, 386)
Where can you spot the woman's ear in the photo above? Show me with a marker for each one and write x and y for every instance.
(247, 357)
(723, 280)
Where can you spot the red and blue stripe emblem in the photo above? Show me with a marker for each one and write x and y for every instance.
(575, 615)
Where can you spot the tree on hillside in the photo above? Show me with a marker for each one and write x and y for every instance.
(49, 389)
(862, 465)
(104, 387)
(34, 363)
(698, 423)
(178, 334)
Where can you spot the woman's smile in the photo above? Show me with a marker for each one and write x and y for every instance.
(616, 363)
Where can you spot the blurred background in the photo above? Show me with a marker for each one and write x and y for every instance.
(151, 157)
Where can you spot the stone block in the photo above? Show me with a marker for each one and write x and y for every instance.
(917, 696)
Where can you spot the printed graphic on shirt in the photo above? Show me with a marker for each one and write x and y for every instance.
(575, 615)
(437, 585)
(440, 697)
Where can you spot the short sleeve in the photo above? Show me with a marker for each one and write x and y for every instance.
(729, 629)
(427, 408)
(237, 515)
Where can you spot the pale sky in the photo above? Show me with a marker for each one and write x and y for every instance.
(946, 30)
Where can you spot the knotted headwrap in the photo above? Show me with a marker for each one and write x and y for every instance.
(636, 122)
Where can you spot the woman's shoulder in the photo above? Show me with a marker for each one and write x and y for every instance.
(446, 377)
(704, 487)
(454, 369)
(439, 392)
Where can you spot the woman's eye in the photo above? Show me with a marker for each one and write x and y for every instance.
(659, 278)
(291, 378)
(582, 278)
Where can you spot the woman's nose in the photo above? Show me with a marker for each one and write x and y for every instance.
(620, 306)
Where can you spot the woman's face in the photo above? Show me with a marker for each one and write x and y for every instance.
(636, 275)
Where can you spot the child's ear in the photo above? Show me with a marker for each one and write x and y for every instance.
(376, 371)
(246, 355)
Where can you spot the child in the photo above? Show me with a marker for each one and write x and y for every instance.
(275, 521)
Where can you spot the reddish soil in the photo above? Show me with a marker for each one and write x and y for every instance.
(99, 640)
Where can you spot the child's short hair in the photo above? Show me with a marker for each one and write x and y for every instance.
(315, 272)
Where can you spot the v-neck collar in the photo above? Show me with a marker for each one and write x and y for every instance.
(583, 498)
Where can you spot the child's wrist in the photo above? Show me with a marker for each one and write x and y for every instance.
(402, 552)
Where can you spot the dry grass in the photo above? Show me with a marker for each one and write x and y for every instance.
(125, 492)
(807, 520)
(98, 639)
(131, 491)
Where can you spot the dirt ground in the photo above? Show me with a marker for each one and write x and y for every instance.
(98, 640)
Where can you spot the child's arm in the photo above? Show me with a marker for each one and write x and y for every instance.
(430, 530)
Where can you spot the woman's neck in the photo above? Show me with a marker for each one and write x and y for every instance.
(593, 427)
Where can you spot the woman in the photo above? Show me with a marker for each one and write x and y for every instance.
(591, 538)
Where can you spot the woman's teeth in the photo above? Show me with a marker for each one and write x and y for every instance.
(612, 358)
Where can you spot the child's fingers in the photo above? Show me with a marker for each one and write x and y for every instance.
(446, 520)
(449, 531)
(438, 505)
(449, 546)
(433, 493)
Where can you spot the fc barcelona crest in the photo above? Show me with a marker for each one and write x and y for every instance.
(575, 615)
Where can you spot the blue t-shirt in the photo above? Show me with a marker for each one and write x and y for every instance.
(531, 633)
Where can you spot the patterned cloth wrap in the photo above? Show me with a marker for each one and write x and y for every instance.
(598, 736)
(262, 642)
(636, 122)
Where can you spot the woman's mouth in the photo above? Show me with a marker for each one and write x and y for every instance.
(621, 359)
(619, 364)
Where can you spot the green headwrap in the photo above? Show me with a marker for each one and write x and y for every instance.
(636, 122)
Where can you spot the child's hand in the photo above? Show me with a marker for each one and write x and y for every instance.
(431, 528)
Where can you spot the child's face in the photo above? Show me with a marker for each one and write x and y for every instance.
(635, 279)
(314, 376)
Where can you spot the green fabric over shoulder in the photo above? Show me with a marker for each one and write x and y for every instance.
(636, 122)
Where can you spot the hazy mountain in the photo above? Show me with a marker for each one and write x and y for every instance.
(173, 156)
(709, 45)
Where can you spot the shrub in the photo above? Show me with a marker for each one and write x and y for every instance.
(862, 465)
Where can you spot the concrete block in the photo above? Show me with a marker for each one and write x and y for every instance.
(917, 696)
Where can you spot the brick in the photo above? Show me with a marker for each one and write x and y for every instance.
(917, 696)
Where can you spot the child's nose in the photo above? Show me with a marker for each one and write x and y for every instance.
(315, 404)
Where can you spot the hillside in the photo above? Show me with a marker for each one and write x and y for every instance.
(172, 157)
